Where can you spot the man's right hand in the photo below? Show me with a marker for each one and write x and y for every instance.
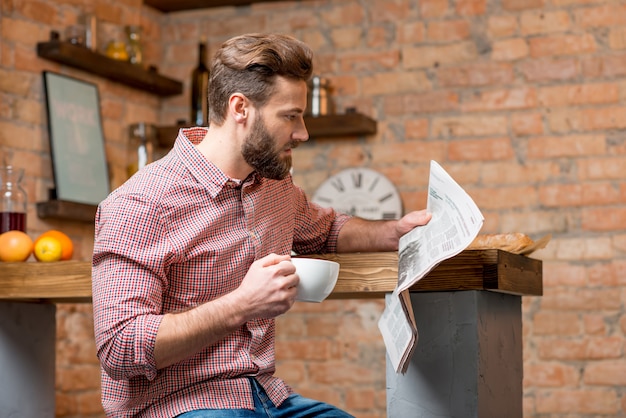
(269, 287)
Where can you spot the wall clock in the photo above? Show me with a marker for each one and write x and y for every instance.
(360, 192)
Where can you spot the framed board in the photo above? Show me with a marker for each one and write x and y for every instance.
(76, 139)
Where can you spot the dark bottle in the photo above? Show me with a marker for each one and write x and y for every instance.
(199, 88)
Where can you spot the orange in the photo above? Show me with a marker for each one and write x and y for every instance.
(15, 246)
(48, 249)
(67, 246)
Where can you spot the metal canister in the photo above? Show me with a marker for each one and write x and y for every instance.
(319, 100)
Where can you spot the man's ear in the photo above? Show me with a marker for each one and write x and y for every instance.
(238, 105)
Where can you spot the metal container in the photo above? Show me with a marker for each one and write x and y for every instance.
(319, 101)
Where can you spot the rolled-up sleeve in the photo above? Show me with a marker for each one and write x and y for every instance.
(316, 228)
(128, 280)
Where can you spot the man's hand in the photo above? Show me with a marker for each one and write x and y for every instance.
(411, 220)
(267, 290)
(269, 287)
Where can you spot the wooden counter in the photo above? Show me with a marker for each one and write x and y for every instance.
(362, 275)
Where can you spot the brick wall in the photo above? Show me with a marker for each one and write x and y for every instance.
(522, 101)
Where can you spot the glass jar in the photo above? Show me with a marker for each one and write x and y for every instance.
(13, 200)
(141, 147)
(135, 50)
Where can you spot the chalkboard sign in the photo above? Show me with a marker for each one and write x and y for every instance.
(76, 139)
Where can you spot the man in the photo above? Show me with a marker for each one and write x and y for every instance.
(192, 262)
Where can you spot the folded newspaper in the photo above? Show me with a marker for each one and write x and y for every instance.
(455, 222)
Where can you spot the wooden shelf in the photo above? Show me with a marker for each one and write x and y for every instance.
(167, 6)
(115, 70)
(361, 275)
(69, 211)
(348, 124)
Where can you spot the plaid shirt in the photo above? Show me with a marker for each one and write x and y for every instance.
(177, 234)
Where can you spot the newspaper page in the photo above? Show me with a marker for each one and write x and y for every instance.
(398, 328)
(455, 222)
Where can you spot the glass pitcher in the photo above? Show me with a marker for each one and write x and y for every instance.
(13, 200)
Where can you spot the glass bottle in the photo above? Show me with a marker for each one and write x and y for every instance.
(135, 50)
(200, 88)
(140, 147)
(13, 200)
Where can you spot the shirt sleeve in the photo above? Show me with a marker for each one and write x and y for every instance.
(316, 228)
(128, 280)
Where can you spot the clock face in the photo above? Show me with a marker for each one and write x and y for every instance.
(360, 192)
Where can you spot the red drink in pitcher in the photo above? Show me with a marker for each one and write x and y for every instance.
(10, 221)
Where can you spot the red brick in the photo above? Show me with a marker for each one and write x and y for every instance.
(605, 348)
(594, 324)
(447, 30)
(39, 11)
(593, 248)
(471, 126)
(578, 94)
(361, 400)
(562, 45)
(506, 172)
(580, 299)
(78, 377)
(411, 32)
(524, 124)
(509, 49)
(89, 404)
(395, 83)
(340, 373)
(476, 74)
(290, 370)
(515, 5)
(342, 14)
(603, 219)
(541, 70)
(434, 56)
(471, 7)
(556, 323)
(604, 66)
(533, 222)
(523, 98)
(433, 8)
(566, 146)
(501, 198)
(502, 26)
(421, 102)
(600, 168)
(577, 402)
(601, 16)
(617, 38)
(388, 11)
(416, 128)
(374, 61)
(550, 375)
(480, 149)
(605, 373)
(608, 274)
(540, 22)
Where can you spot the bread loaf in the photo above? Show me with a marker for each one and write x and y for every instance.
(514, 242)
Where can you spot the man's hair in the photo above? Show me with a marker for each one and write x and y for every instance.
(249, 64)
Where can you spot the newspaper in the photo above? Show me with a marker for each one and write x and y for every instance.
(455, 222)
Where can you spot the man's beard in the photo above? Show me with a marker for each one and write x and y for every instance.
(259, 151)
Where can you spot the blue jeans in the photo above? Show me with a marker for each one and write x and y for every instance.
(295, 406)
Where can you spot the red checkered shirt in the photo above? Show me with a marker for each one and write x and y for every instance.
(177, 234)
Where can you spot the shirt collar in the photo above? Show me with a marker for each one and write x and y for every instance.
(201, 167)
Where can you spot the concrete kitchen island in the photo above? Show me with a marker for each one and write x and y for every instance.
(467, 362)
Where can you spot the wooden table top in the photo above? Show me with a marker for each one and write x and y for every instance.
(361, 275)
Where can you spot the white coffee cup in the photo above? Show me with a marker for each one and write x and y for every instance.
(317, 278)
